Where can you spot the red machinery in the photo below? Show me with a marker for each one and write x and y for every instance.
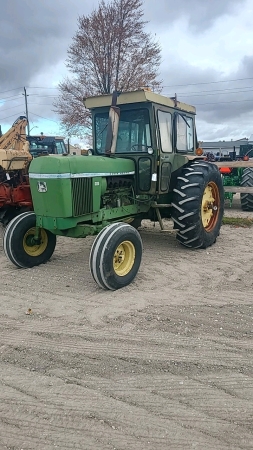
(16, 152)
(15, 195)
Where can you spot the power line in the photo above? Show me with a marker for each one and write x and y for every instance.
(9, 90)
(16, 106)
(41, 104)
(36, 87)
(44, 96)
(40, 87)
(211, 93)
(219, 103)
(12, 96)
(43, 117)
(3, 118)
(30, 103)
(210, 82)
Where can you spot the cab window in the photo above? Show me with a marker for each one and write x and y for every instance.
(184, 133)
(60, 147)
(165, 129)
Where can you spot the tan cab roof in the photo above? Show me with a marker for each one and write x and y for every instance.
(136, 97)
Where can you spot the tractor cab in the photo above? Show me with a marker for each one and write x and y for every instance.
(46, 145)
(156, 132)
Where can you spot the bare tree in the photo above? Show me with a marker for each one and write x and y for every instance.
(110, 50)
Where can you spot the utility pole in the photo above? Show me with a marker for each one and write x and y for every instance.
(26, 109)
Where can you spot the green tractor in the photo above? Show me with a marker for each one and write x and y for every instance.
(145, 164)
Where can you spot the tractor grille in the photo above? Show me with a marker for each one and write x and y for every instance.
(81, 196)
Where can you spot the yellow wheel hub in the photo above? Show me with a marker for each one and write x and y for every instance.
(123, 259)
(210, 206)
(34, 249)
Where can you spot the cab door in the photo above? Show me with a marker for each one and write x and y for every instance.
(165, 141)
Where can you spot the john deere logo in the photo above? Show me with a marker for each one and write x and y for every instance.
(42, 186)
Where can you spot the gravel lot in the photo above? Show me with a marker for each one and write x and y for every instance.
(166, 363)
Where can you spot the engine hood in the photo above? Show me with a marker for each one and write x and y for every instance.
(59, 166)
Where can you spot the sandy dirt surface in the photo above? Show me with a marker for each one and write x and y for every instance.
(166, 363)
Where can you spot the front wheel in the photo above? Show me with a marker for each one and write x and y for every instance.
(198, 205)
(115, 256)
(21, 246)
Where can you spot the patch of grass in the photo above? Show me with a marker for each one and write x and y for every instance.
(244, 222)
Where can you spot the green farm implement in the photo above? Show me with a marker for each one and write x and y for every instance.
(238, 179)
(237, 176)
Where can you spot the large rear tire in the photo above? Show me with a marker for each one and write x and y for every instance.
(247, 181)
(115, 256)
(198, 205)
(19, 246)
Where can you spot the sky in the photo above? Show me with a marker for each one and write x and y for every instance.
(207, 59)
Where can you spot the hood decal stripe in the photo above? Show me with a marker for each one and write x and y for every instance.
(47, 176)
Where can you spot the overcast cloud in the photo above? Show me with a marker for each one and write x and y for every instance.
(205, 45)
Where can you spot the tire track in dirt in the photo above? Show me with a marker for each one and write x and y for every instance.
(164, 363)
(104, 415)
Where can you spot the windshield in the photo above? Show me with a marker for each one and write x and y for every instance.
(39, 147)
(133, 133)
(46, 145)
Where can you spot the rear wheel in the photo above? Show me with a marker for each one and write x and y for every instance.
(247, 181)
(115, 256)
(198, 205)
(21, 246)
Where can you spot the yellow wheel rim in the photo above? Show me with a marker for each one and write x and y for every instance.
(210, 206)
(123, 259)
(35, 249)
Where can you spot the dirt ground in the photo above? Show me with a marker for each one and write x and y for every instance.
(166, 363)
